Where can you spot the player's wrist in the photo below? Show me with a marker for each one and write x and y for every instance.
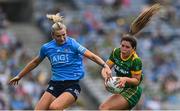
(18, 76)
(104, 65)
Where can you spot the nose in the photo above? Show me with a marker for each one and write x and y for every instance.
(123, 48)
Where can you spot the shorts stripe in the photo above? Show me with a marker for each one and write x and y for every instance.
(132, 95)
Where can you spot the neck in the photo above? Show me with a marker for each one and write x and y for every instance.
(60, 43)
(125, 56)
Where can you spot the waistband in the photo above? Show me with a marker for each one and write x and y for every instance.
(65, 81)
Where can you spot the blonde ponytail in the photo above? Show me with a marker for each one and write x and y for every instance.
(58, 21)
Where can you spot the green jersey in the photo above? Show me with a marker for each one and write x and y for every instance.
(125, 68)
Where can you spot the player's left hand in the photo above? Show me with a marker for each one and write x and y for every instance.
(121, 82)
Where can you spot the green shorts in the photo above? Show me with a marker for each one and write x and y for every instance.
(132, 95)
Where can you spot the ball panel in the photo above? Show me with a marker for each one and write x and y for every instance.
(112, 85)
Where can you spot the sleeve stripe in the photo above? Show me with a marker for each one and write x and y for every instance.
(136, 72)
(110, 62)
(81, 48)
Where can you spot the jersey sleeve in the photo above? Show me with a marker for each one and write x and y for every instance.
(78, 47)
(42, 53)
(136, 66)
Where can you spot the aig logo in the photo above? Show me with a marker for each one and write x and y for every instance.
(59, 58)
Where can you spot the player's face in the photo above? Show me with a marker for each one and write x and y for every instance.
(126, 48)
(60, 36)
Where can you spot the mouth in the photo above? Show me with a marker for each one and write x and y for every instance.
(124, 51)
(61, 39)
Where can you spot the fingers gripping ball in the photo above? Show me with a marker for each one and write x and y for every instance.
(112, 85)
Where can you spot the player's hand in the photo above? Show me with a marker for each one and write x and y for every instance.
(14, 81)
(121, 82)
(106, 73)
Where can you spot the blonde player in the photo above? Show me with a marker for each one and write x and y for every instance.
(66, 57)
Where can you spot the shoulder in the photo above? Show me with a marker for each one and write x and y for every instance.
(72, 41)
(116, 51)
(70, 38)
(136, 58)
(48, 44)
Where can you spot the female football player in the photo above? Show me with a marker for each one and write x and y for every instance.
(66, 57)
(128, 66)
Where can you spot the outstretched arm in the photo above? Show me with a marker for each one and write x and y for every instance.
(98, 60)
(29, 67)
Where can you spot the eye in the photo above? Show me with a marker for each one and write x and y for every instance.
(63, 35)
(125, 46)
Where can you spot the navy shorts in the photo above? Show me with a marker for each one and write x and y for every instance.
(56, 88)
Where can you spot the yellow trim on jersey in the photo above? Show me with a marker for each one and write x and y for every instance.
(135, 56)
(110, 62)
(136, 72)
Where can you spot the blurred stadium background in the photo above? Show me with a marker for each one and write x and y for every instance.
(98, 25)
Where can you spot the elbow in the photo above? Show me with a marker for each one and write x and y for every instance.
(137, 82)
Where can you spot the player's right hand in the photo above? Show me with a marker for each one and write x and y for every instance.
(14, 81)
(106, 73)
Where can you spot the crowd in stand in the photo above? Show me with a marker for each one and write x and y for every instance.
(13, 57)
(98, 25)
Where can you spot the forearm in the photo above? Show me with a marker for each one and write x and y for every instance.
(95, 58)
(132, 81)
(29, 67)
(99, 61)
